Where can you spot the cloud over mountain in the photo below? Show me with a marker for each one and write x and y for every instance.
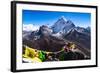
(30, 27)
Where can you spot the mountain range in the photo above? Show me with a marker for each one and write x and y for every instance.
(53, 38)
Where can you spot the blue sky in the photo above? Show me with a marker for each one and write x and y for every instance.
(50, 17)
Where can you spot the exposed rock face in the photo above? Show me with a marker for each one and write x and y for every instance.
(46, 43)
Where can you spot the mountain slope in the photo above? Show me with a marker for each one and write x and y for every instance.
(80, 39)
(46, 43)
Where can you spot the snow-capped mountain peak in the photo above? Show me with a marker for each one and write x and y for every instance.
(63, 18)
(62, 24)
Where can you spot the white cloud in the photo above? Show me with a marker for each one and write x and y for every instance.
(30, 27)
